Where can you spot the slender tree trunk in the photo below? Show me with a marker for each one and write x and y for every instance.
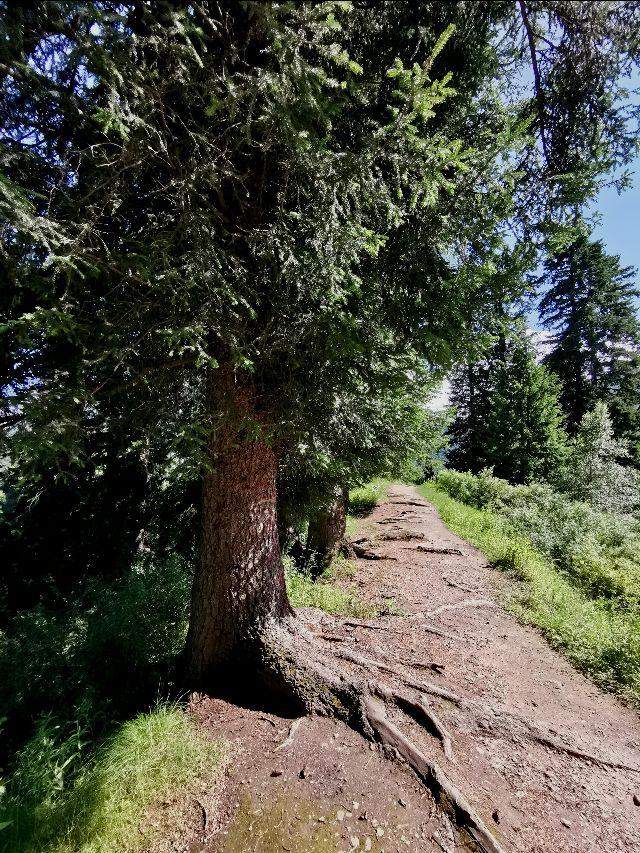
(327, 531)
(239, 584)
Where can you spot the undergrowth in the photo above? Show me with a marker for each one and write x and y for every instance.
(363, 499)
(323, 593)
(100, 810)
(601, 638)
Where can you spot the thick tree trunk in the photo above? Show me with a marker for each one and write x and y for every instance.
(239, 585)
(327, 529)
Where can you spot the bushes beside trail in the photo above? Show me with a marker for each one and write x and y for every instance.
(600, 551)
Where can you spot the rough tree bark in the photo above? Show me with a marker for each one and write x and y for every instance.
(242, 628)
(327, 529)
(239, 584)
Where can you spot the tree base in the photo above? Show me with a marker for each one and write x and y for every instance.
(294, 665)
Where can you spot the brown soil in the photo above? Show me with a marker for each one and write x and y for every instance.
(521, 734)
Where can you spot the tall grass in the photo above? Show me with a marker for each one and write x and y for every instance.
(146, 760)
(598, 636)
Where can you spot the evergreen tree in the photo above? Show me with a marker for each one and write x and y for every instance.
(594, 472)
(589, 307)
(508, 416)
(222, 217)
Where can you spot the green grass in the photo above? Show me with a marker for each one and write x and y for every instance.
(601, 640)
(363, 499)
(147, 760)
(303, 592)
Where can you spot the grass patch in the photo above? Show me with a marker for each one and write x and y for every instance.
(363, 499)
(599, 638)
(323, 593)
(146, 760)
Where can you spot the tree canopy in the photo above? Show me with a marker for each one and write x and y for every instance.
(264, 228)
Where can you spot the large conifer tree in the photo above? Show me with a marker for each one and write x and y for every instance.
(219, 216)
(508, 415)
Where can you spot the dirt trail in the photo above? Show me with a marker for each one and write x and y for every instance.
(524, 711)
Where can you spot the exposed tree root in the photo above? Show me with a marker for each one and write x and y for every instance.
(401, 536)
(205, 815)
(371, 626)
(505, 723)
(425, 713)
(522, 727)
(432, 666)
(299, 667)
(459, 586)
(293, 662)
(366, 554)
(408, 503)
(445, 792)
(471, 602)
(432, 549)
(430, 629)
(422, 686)
(578, 753)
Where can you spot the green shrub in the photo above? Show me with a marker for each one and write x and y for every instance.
(58, 802)
(600, 551)
(479, 490)
(112, 647)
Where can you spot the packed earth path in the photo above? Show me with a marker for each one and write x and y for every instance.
(548, 761)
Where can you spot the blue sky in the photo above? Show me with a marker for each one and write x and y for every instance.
(620, 225)
(620, 214)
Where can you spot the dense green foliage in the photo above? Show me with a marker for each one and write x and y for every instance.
(305, 193)
(588, 604)
(309, 201)
(595, 469)
(600, 551)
